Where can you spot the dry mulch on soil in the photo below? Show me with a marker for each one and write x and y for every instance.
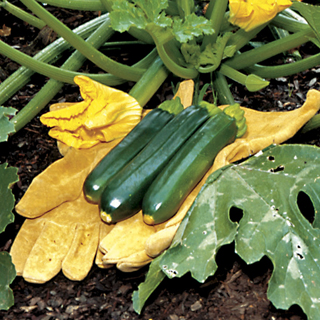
(236, 291)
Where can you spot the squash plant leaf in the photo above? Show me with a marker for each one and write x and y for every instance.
(311, 14)
(6, 127)
(151, 16)
(193, 26)
(265, 188)
(138, 13)
(145, 289)
(8, 274)
(8, 176)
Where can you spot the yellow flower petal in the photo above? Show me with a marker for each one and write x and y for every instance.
(120, 128)
(111, 113)
(106, 102)
(76, 139)
(105, 114)
(70, 117)
(249, 14)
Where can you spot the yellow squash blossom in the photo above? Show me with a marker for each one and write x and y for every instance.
(249, 14)
(104, 114)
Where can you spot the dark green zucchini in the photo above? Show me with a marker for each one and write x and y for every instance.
(123, 152)
(122, 197)
(171, 187)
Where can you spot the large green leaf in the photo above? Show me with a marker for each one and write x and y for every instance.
(145, 289)
(266, 189)
(7, 275)
(193, 26)
(151, 16)
(138, 13)
(311, 14)
(6, 127)
(8, 176)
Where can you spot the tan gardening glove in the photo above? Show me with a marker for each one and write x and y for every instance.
(62, 229)
(132, 244)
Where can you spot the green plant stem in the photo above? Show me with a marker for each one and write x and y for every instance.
(49, 54)
(52, 87)
(216, 18)
(120, 44)
(170, 63)
(279, 33)
(58, 73)
(313, 123)
(150, 82)
(94, 55)
(185, 73)
(172, 48)
(268, 50)
(221, 87)
(85, 5)
(241, 38)
(292, 25)
(185, 7)
(97, 5)
(52, 71)
(233, 74)
(286, 69)
(21, 14)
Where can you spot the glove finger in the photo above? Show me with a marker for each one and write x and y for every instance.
(79, 259)
(24, 242)
(126, 238)
(104, 231)
(134, 262)
(63, 148)
(160, 241)
(266, 128)
(75, 212)
(185, 92)
(67, 174)
(47, 254)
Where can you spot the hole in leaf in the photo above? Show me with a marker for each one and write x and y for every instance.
(277, 169)
(306, 206)
(300, 256)
(235, 214)
(270, 158)
(172, 272)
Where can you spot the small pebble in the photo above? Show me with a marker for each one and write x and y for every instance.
(70, 309)
(196, 306)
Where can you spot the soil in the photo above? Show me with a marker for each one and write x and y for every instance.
(236, 291)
